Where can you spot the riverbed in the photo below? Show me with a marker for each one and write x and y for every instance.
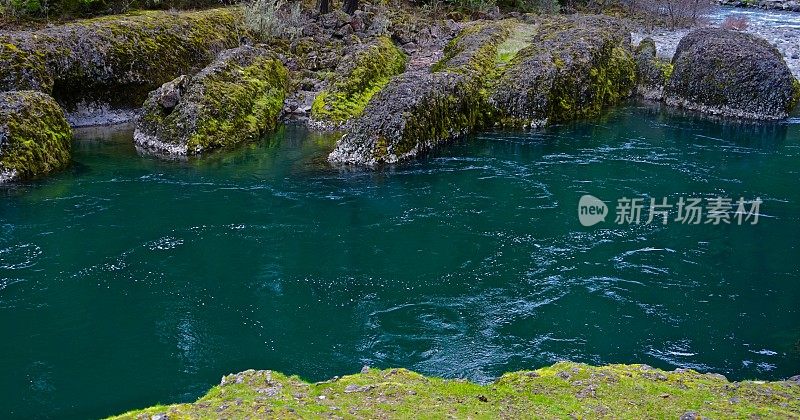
(127, 281)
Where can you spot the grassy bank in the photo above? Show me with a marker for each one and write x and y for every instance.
(562, 390)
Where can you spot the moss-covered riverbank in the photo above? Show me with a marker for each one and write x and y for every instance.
(562, 390)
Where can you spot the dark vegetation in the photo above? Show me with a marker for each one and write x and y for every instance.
(669, 12)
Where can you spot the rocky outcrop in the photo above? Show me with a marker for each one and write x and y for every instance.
(420, 110)
(573, 68)
(35, 138)
(357, 80)
(652, 73)
(115, 58)
(235, 99)
(731, 73)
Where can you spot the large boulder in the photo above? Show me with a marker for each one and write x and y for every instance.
(731, 73)
(35, 138)
(116, 59)
(420, 110)
(235, 99)
(574, 67)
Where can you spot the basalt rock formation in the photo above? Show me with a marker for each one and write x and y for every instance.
(235, 99)
(115, 58)
(421, 109)
(574, 67)
(731, 73)
(35, 138)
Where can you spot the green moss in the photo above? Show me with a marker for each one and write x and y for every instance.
(562, 390)
(519, 39)
(22, 70)
(35, 138)
(145, 48)
(795, 96)
(237, 109)
(371, 71)
(611, 79)
(475, 50)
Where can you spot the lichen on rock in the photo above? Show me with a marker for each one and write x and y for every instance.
(35, 138)
(235, 99)
(358, 80)
(731, 73)
(574, 67)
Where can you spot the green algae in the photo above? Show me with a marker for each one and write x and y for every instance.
(371, 70)
(562, 390)
(35, 138)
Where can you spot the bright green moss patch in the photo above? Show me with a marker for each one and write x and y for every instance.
(371, 70)
(236, 99)
(519, 39)
(240, 108)
(562, 390)
(35, 138)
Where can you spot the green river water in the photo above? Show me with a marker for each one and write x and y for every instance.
(127, 281)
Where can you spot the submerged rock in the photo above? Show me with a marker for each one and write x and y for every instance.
(35, 138)
(358, 80)
(573, 68)
(652, 73)
(104, 59)
(419, 110)
(731, 73)
(235, 99)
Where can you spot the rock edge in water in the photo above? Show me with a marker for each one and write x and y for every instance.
(35, 138)
(558, 391)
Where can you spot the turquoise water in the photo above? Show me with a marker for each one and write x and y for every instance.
(128, 281)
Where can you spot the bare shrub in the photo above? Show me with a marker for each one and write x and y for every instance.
(274, 18)
(736, 23)
(675, 13)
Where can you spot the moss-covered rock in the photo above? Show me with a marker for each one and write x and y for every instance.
(574, 67)
(652, 73)
(564, 390)
(35, 138)
(22, 70)
(474, 51)
(357, 80)
(420, 110)
(135, 52)
(235, 99)
(731, 73)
